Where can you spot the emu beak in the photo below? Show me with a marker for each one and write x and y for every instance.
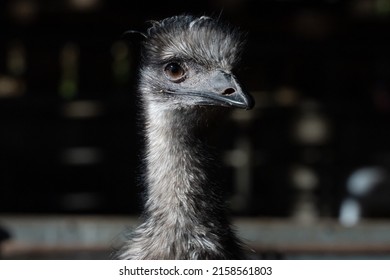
(222, 89)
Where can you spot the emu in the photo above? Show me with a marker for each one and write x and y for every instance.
(185, 73)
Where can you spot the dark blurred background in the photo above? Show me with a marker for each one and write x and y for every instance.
(315, 147)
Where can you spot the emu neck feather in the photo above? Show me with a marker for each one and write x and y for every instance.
(184, 214)
(175, 176)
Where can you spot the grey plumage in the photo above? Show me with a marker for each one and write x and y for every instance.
(185, 72)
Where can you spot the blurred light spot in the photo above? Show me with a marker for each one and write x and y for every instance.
(383, 7)
(305, 210)
(304, 178)
(306, 213)
(364, 180)
(69, 61)
(240, 158)
(16, 59)
(81, 156)
(370, 8)
(84, 4)
(11, 87)
(23, 10)
(350, 212)
(82, 109)
(242, 115)
(236, 158)
(311, 127)
(286, 96)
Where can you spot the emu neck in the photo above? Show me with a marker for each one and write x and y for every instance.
(175, 176)
(184, 212)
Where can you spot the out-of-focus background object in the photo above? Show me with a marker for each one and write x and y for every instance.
(306, 171)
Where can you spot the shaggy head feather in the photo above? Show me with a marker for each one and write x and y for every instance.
(203, 40)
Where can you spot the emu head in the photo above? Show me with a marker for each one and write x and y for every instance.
(188, 61)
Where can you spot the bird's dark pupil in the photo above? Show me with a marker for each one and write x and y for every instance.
(175, 69)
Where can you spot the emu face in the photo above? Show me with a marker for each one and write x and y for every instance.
(188, 62)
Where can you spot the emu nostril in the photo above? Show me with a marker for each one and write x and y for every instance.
(228, 91)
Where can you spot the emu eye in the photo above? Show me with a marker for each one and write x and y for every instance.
(174, 72)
